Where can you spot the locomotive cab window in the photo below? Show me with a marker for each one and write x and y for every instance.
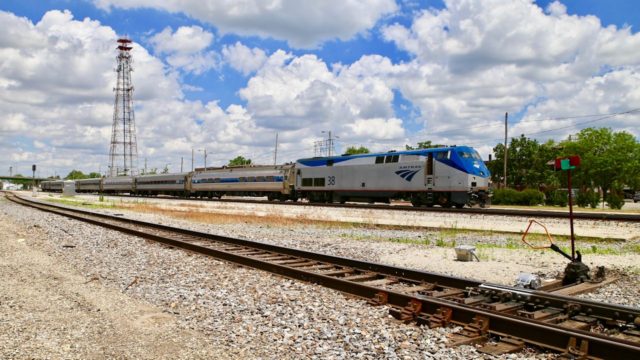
(443, 155)
(391, 158)
(379, 159)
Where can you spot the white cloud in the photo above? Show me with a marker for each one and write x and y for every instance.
(56, 89)
(185, 48)
(378, 129)
(470, 62)
(244, 59)
(295, 93)
(185, 40)
(301, 23)
(475, 60)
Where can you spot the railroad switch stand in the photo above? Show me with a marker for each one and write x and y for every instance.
(576, 271)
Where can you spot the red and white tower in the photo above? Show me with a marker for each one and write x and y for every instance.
(123, 154)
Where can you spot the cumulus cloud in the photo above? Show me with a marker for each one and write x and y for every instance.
(293, 93)
(469, 63)
(244, 59)
(474, 60)
(302, 24)
(186, 48)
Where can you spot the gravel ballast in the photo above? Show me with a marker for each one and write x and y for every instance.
(251, 314)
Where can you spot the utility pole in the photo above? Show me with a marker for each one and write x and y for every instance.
(192, 159)
(145, 166)
(10, 170)
(275, 153)
(506, 118)
(330, 143)
(33, 168)
(205, 159)
(181, 163)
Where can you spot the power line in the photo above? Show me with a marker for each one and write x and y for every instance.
(500, 123)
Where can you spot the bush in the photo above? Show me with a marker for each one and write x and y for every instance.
(615, 201)
(588, 198)
(532, 197)
(512, 197)
(557, 198)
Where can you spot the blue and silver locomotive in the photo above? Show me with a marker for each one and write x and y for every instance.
(447, 176)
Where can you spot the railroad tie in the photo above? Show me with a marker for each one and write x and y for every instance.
(474, 332)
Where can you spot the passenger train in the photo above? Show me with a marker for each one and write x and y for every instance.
(445, 176)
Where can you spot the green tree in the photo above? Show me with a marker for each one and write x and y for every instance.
(75, 175)
(423, 145)
(93, 175)
(352, 150)
(239, 160)
(608, 159)
(526, 163)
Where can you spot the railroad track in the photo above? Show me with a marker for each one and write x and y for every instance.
(488, 211)
(575, 327)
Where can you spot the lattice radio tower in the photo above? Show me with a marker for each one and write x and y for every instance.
(123, 154)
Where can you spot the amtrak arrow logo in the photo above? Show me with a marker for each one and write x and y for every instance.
(407, 174)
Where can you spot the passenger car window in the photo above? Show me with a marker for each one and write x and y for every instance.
(379, 159)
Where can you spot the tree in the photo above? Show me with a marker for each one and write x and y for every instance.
(526, 163)
(352, 150)
(423, 145)
(93, 175)
(239, 160)
(608, 159)
(75, 175)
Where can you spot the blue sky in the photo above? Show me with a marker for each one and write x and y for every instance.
(380, 73)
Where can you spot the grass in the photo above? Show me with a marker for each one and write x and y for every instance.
(80, 203)
(599, 209)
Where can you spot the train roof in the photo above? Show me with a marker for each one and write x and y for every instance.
(404, 152)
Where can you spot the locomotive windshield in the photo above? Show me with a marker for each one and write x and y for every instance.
(469, 155)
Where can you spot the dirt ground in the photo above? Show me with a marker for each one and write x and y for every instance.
(48, 310)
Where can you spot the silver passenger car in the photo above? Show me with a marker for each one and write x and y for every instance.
(275, 182)
(169, 184)
(52, 185)
(89, 185)
(118, 184)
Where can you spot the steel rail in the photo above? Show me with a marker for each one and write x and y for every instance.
(547, 335)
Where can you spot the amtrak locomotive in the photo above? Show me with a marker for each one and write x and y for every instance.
(446, 176)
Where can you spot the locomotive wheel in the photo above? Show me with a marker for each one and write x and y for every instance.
(459, 206)
(416, 201)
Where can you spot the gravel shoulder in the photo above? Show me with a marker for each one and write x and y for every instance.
(49, 310)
